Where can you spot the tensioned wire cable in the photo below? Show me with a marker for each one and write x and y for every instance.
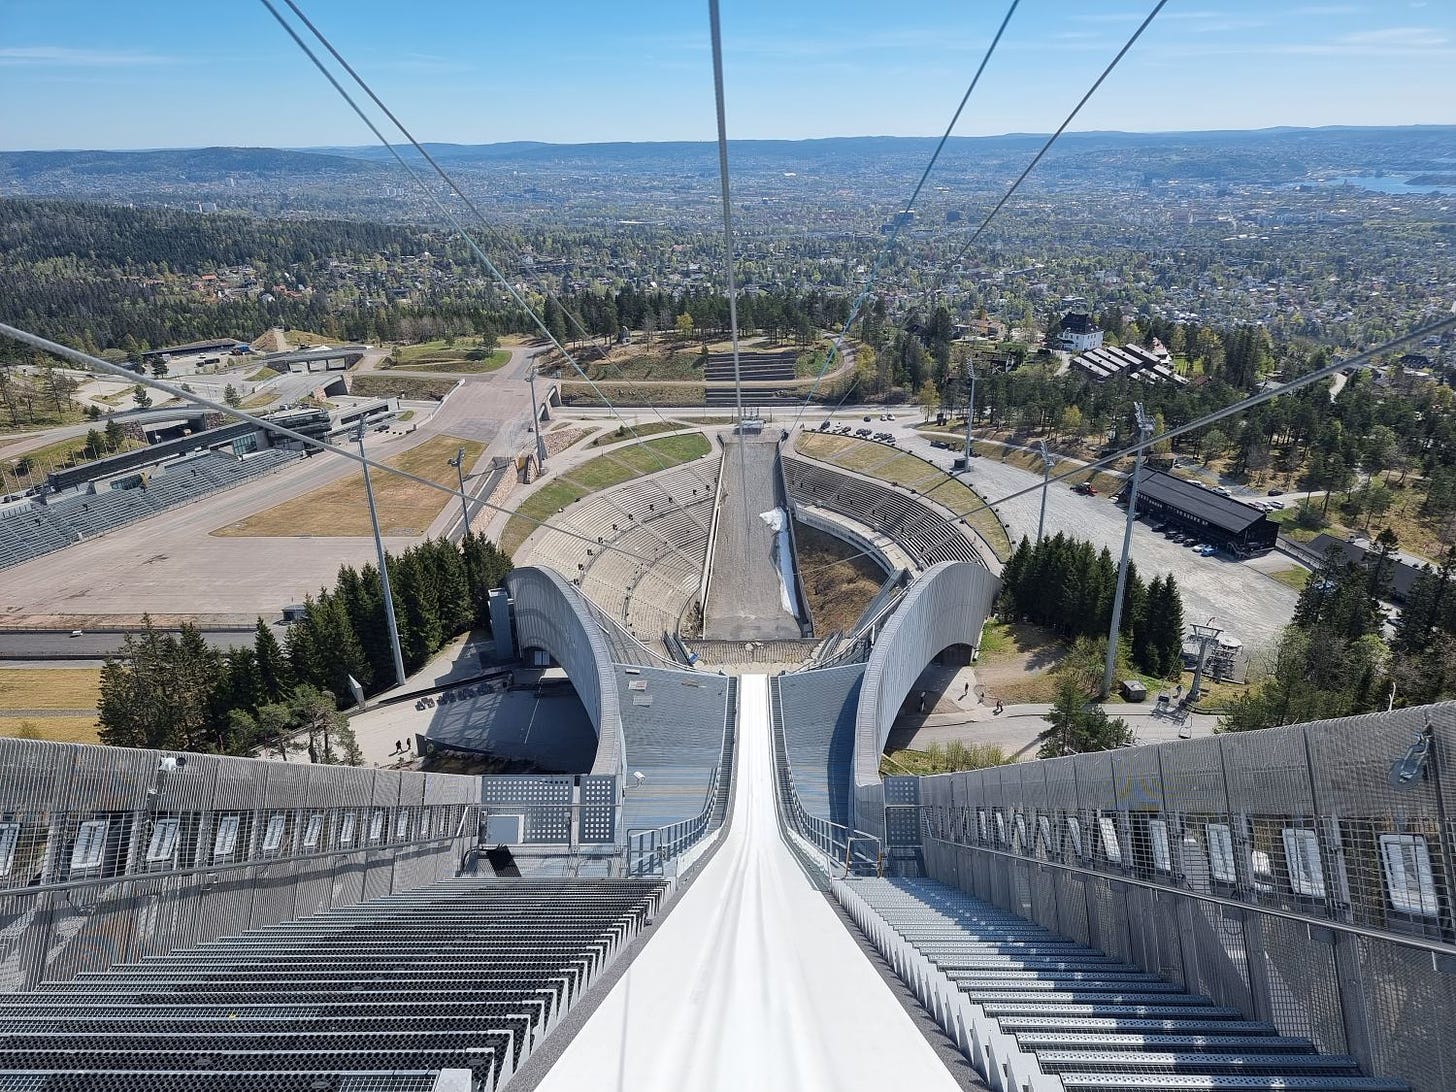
(1359, 360)
(740, 449)
(838, 348)
(450, 217)
(1046, 147)
(571, 317)
(95, 363)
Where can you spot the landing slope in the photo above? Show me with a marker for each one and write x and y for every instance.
(752, 982)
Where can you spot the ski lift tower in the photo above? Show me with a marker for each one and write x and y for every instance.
(1205, 635)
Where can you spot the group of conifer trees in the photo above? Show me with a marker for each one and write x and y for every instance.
(177, 692)
(1068, 586)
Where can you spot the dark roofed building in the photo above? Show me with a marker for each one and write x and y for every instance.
(1218, 520)
(1402, 576)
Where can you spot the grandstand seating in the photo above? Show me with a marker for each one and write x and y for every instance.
(29, 531)
(37, 528)
(814, 711)
(464, 974)
(927, 535)
(1091, 1020)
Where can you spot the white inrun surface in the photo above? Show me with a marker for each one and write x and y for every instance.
(752, 982)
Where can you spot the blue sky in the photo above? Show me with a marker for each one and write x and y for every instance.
(181, 73)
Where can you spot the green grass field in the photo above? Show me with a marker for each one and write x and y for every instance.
(620, 433)
(600, 473)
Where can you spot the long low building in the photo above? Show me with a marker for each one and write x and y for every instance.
(1219, 520)
(1128, 361)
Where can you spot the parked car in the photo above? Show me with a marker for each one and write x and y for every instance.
(1085, 488)
(1276, 505)
(1207, 550)
(1223, 491)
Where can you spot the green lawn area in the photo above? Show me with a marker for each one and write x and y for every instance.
(475, 362)
(909, 472)
(1295, 578)
(620, 433)
(261, 374)
(600, 473)
(394, 385)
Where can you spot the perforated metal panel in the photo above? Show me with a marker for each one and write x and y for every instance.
(598, 810)
(545, 800)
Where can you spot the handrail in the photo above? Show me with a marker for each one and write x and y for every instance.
(648, 848)
(1435, 948)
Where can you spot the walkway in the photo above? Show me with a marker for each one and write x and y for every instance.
(752, 982)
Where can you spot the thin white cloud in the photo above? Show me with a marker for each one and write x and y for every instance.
(1402, 37)
(67, 57)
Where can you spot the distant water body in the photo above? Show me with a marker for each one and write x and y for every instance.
(1380, 184)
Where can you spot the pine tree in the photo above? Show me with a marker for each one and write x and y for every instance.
(275, 677)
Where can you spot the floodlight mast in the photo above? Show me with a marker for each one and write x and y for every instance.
(536, 421)
(1145, 429)
(1046, 471)
(459, 464)
(970, 411)
(383, 566)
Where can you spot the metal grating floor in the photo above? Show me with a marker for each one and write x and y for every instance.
(465, 974)
(1094, 1022)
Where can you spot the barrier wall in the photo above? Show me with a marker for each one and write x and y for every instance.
(946, 606)
(1291, 873)
(552, 615)
(110, 854)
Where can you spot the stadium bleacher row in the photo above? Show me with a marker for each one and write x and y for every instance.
(1091, 1020)
(925, 534)
(466, 974)
(33, 529)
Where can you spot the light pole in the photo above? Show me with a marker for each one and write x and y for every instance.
(1145, 429)
(383, 566)
(1046, 471)
(536, 420)
(970, 411)
(459, 464)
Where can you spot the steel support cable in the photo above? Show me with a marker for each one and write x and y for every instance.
(889, 244)
(450, 182)
(1121, 53)
(94, 363)
(440, 205)
(716, 33)
(1016, 185)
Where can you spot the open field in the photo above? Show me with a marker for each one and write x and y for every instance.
(340, 510)
(417, 387)
(305, 338)
(620, 433)
(909, 472)
(839, 581)
(262, 374)
(49, 688)
(259, 400)
(54, 729)
(488, 362)
(600, 473)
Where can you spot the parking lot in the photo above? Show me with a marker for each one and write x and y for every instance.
(1246, 602)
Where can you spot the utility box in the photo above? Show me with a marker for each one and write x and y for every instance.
(1132, 690)
(502, 830)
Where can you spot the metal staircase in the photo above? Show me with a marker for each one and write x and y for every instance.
(1091, 1021)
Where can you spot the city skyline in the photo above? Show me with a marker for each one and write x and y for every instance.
(174, 75)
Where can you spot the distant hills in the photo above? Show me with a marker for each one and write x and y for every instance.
(541, 172)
